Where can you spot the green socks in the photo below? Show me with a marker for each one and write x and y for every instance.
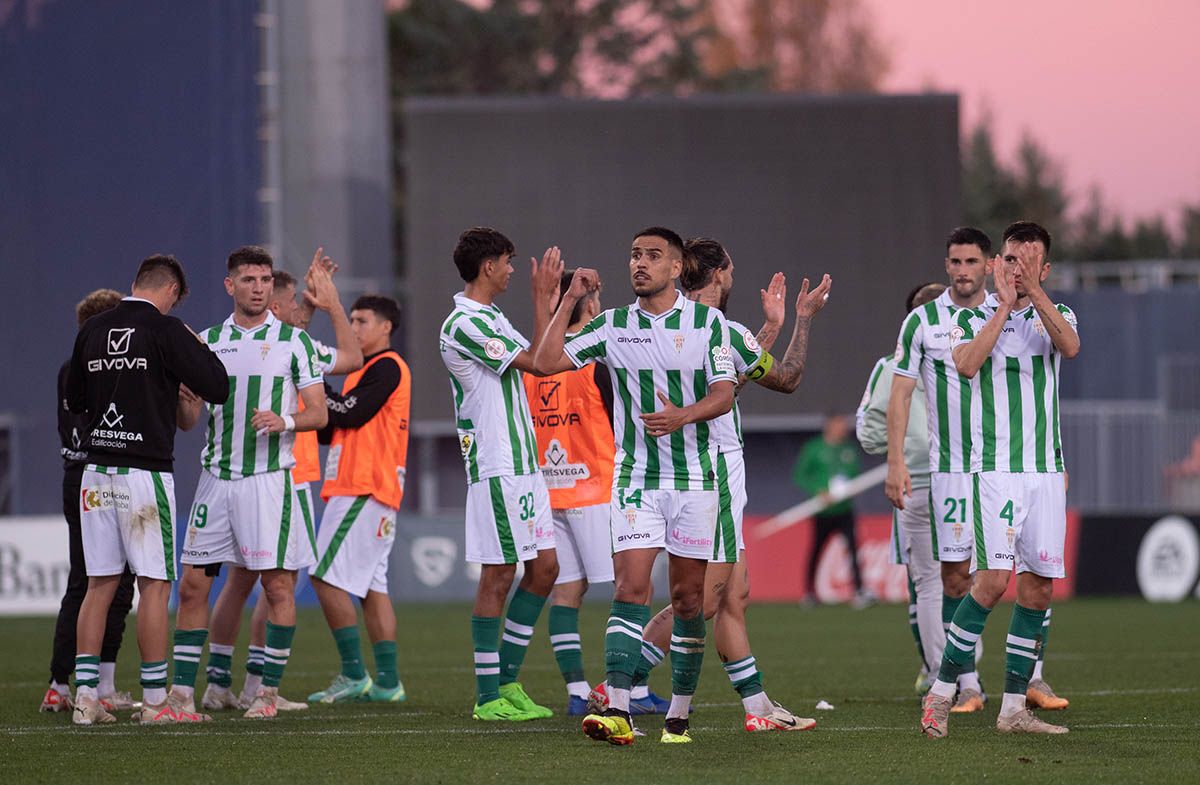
(484, 632)
(386, 673)
(87, 671)
(220, 665)
(1022, 648)
(254, 661)
(961, 637)
(276, 652)
(350, 650)
(687, 654)
(154, 675)
(651, 657)
(623, 642)
(523, 610)
(564, 639)
(745, 676)
(949, 608)
(188, 645)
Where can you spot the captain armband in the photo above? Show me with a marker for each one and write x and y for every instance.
(761, 368)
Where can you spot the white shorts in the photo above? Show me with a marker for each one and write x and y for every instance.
(731, 493)
(1023, 523)
(584, 544)
(304, 502)
(683, 522)
(508, 519)
(910, 525)
(354, 543)
(254, 522)
(128, 515)
(953, 515)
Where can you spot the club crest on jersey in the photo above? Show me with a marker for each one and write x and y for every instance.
(493, 348)
(1039, 328)
(679, 339)
(265, 349)
(751, 341)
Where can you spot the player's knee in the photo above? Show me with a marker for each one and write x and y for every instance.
(193, 588)
(687, 601)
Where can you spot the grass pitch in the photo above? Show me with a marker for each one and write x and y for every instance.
(1131, 670)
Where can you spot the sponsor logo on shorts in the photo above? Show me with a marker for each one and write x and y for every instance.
(1003, 556)
(1049, 558)
(250, 553)
(634, 536)
(685, 539)
(104, 499)
(955, 549)
(227, 350)
(386, 528)
(195, 554)
(530, 548)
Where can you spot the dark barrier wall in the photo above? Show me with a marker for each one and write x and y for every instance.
(128, 129)
(1156, 556)
(865, 188)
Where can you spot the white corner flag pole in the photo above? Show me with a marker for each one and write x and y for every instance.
(806, 509)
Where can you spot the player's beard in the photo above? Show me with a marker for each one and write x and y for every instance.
(649, 289)
(723, 304)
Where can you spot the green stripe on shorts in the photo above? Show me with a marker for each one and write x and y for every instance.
(980, 545)
(165, 524)
(285, 520)
(726, 532)
(306, 510)
(500, 514)
(338, 536)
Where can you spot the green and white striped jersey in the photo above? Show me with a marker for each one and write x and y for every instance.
(1018, 391)
(495, 429)
(951, 399)
(268, 365)
(872, 380)
(679, 353)
(746, 354)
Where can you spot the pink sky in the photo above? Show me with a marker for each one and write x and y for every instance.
(1111, 88)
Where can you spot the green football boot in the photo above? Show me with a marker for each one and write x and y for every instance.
(343, 689)
(379, 694)
(500, 710)
(514, 693)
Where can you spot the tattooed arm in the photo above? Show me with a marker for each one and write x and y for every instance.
(785, 375)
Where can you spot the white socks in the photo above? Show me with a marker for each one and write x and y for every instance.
(578, 689)
(618, 699)
(759, 705)
(681, 706)
(1012, 703)
(108, 672)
